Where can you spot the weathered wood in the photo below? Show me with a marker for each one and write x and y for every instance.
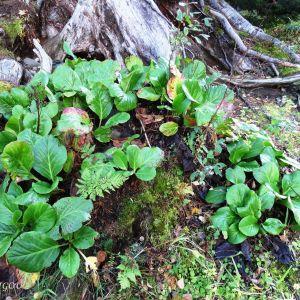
(115, 29)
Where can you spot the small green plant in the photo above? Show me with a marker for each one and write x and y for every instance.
(128, 272)
(33, 232)
(258, 158)
(104, 173)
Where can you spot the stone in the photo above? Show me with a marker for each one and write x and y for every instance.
(10, 71)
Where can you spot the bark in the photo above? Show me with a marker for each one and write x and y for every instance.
(115, 29)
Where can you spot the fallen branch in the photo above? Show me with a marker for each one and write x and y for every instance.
(243, 48)
(240, 23)
(252, 82)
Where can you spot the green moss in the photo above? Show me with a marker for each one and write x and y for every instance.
(270, 50)
(283, 124)
(156, 207)
(4, 86)
(14, 29)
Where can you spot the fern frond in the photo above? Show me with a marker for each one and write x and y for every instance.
(94, 183)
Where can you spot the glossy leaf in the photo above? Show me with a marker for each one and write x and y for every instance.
(69, 263)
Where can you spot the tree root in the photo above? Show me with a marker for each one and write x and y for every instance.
(243, 48)
(253, 82)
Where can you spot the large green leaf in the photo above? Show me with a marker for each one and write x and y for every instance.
(32, 252)
(248, 226)
(44, 188)
(251, 205)
(236, 175)
(92, 72)
(49, 157)
(72, 212)
(64, 79)
(237, 151)
(5, 138)
(28, 136)
(195, 70)
(8, 100)
(120, 159)
(268, 173)
(100, 102)
(216, 195)
(204, 113)
(31, 197)
(84, 238)
(146, 173)
(234, 234)
(215, 94)
(291, 184)
(273, 226)
(223, 218)
(132, 81)
(40, 217)
(69, 263)
(7, 235)
(150, 157)
(148, 93)
(267, 196)
(193, 90)
(17, 158)
(236, 194)
(31, 121)
(118, 118)
(132, 153)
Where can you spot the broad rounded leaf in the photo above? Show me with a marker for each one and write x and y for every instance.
(236, 175)
(268, 173)
(291, 184)
(72, 212)
(273, 226)
(234, 234)
(117, 119)
(168, 128)
(32, 252)
(146, 173)
(148, 93)
(65, 79)
(40, 217)
(50, 157)
(248, 226)
(237, 151)
(120, 159)
(31, 197)
(17, 158)
(267, 197)
(235, 195)
(216, 195)
(195, 70)
(44, 188)
(100, 102)
(223, 218)
(69, 263)
(84, 238)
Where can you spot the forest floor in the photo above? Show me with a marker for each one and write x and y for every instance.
(160, 232)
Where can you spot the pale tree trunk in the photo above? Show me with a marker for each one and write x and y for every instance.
(115, 29)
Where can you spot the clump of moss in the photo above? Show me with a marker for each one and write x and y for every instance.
(4, 86)
(155, 209)
(14, 29)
